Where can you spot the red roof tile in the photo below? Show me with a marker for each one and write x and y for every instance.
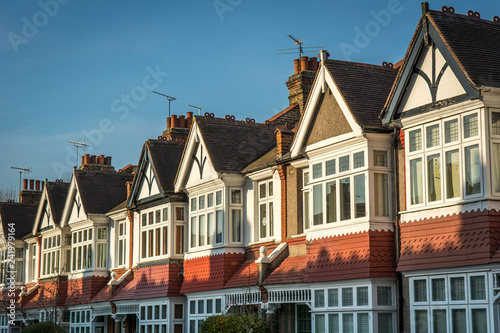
(210, 273)
(464, 239)
(291, 270)
(152, 281)
(46, 294)
(246, 275)
(81, 291)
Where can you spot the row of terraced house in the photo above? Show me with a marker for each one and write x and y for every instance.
(370, 204)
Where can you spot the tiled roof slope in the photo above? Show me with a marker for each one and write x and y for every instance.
(232, 144)
(81, 291)
(46, 295)
(210, 273)
(291, 270)
(465, 239)
(475, 44)
(166, 157)
(57, 192)
(150, 282)
(101, 191)
(21, 214)
(364, 88)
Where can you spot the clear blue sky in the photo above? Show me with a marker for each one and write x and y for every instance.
(72, 69)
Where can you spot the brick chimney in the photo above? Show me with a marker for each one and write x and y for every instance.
(31, 192)
(96, 163)
(300, 83)
(177, 128)
(284, 139)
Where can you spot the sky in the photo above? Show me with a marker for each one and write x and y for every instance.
(85, 70)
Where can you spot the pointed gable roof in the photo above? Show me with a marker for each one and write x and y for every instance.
(363, 87)
(232, 144)
(101, 191)
(473, 45)
(21, 214)
(56, 195)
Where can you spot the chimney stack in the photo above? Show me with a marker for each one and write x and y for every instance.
(177, 128)
(300, 83)
(30, 193)
(96, 163)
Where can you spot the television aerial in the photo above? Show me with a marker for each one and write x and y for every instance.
(21, 171)
(78, 145)
(170, 99)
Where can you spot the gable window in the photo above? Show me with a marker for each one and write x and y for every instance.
(82, 249)
(265, 209)
(207, 219)
(435, 174)
(154, 234)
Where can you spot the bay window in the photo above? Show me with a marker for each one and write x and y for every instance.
(306, 208)
(265, 209)
(154, 234)
(51, 253)
(435, 172)
(82, 249)
(206, 220)
(102, 247)
(236, 209)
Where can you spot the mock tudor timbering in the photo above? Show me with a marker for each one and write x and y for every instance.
(370, 204)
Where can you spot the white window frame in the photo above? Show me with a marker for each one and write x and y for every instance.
(53, 252)
(196, 213)
(77, 249)
(122, 237)
(267, 201)
(236, 207)
(156, 222)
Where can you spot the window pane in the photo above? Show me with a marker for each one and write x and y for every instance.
(120, 252)
(344, 163)
(201, 202)
(434, 178)
(330, 167)
(317, 170)
(345, 199)
(477, 288)
(495, 123)
(333, 297)
(305, 203)
(271, 219)
(317, 204)
(193, 204)
(158, 241)
(192, 307)
(384, 296)
(331, 202)
(178, 311)
(158, 216)
(380, 158)
(415, 140)
(452, 174)
(218, 198)
(202, 230)
(263, 220)
(451, 131)
(270, 192)
(347, 299)
(416, 181)
(236, 225)
(421, 321)
(150, 218)
(210, 308)
(381, 194)
(432, 136)
(236, 196)
(359, 196)
(470, 126)
(306, 178)
(144, 245)
(358, 159)
(218, 305)
(385, 323)
(179, 239)
(438, 290)
(201, 306)
(457, 286)
(320, 323)
(495, 155)
(150, 243)
(459, 321)
(348, 323)
(165, 214)
(144, 220)
(210, 200)
(210, 228)
(193, 232)
(218, 226)
(479, 323)
(439, 321)
(420, 290)
(319, 298)
(333, 323)
(179, 213)
(472, 170)
(361, 296)
(363, 323)
(262, 190)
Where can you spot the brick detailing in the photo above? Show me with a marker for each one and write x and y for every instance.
(299, 86)
(402, 138)
(354, 256)
(81, 291)
(284, 139)
(282, 174)
(210, 273)
(288, 116)
(463, 239)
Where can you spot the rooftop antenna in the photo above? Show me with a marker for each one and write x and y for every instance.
(77, 144)
(298, 42)
(196, 107)
(170, 99)
(21, 170)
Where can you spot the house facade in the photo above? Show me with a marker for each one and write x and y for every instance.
(369, 204)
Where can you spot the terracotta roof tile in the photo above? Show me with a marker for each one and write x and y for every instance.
(81, 291)
(246, 275)
(291, 270)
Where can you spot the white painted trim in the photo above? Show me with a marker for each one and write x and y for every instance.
(214, 252)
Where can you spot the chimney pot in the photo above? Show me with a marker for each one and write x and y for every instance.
(313, 64)
(296, 67)
(182, 121)
(304, 63)
(25, 184)
(37, 185)
(100, 159)
(93, 159)
(32, 184)
(173, 121)
(189, 119)
(87, 159)
(168, 122)
(107, 160)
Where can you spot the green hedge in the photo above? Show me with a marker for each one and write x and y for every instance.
(235, 324)
(45, 327)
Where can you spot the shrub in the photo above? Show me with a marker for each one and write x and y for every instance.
(44, 327)
(226, 323)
